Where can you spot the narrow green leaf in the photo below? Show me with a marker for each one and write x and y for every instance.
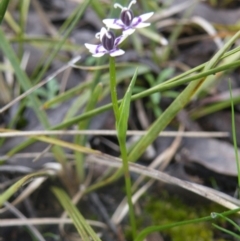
(228, 220)
(83, 228)
(212, 108)
(3, 8)
(224, 229)
(122, 126)
(237, 237)
(14, 188)
(234, 136)
(124, 109)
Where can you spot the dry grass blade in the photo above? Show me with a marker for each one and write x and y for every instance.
(45, 221)
(31, 228)
(196, 134)
(68, 145)
(209, 193)
(209, 29)
(83, 228)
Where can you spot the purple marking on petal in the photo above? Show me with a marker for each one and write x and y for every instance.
(98, 48)
(139, 20)
(113, 50)
(117, 40)
(118, 24)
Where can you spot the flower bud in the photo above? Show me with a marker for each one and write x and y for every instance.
(127, 16)
(108, 40)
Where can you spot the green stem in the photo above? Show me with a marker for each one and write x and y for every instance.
(113, 84)
(122, 144)
(128, 185)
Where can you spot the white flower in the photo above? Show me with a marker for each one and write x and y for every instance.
(109, 44)
(127, 21)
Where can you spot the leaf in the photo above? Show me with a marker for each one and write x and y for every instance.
(13, 189)
(83, 228)
(234, 135)
(3, 9)
(65, 144)
(124, 108)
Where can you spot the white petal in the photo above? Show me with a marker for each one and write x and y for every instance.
(137, 20)
(117, 53)
(114, 23)
(146, 16)
(94, 49)
(142, 25)
(98, 55)
(91, 47)
(128, 31)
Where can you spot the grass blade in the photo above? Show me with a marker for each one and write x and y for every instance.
(234, 137)
(83, 228)
(3, 9)
(124, 109)
(122, 126)
(14, 188)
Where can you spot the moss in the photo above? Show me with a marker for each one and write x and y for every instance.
(168, 209)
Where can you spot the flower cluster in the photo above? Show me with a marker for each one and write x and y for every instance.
(127, 22)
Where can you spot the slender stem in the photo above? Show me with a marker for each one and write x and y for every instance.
(113, 88)
(128, 185)
(122, 144)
